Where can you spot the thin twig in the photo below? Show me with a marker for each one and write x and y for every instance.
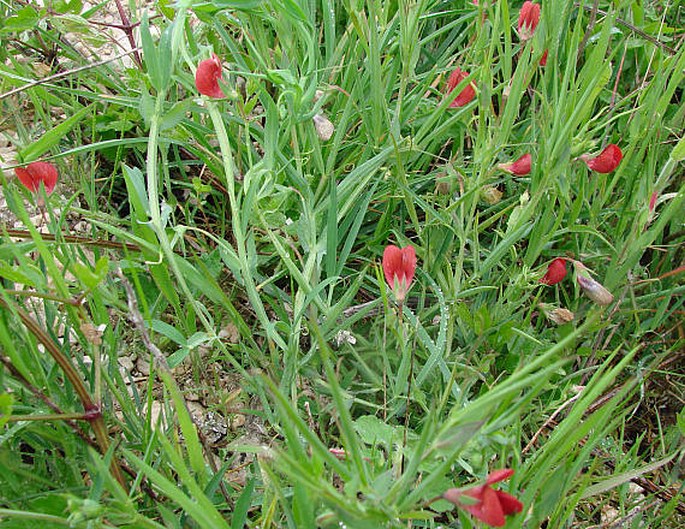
(46, 400)
(128, 30)
(88, 241)
(61, 75)
(588, 30)
(664, 493)
(90, 407)
(632, 28)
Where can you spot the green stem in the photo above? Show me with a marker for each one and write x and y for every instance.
(237, 225)
(92, 410)
(50, 417)
(54, 520)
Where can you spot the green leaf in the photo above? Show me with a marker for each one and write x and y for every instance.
(15, 275)
(137, 194)
(678, 152)
(624, 477)
(53, 136)
(169, 331)
(5, 408)
(457, 437)
(242, 506)
(373, 431)
(157, 57)
(241, 5)
(67, 6)
(26, 18)
(175, 115)
(191, 439)
(91, 278)
(681, 422)
(146, 107)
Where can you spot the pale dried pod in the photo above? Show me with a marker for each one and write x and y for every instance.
(324, 127)
(595, 290)
(560, 316)
(491, 194)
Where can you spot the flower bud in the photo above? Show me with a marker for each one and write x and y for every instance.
(520, 167)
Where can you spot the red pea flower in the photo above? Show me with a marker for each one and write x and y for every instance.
(492, 505)
(606, 161)
(520, 167)
(399, 266)
(35, 173)
(556, 271)
(466, 95)
(529, 16)
(207, 77)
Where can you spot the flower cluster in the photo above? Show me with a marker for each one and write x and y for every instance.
(529, 18)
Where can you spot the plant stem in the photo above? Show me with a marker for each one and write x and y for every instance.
(91, 409)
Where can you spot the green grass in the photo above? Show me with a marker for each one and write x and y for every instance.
(207, 218)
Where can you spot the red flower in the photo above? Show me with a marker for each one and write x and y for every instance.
(529, 16)
(543, 59)
(35, 173)
(492, 505)
(207, 77)
(520, 167)
(606, 161)
(466, 95)
(399, 266)
(556, 271)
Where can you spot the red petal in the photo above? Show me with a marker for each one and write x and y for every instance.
(489, 510)
(45, 172)
(556, 271)
(520, 167)
(37, 172)
(466, 95)
(455, 495)
(26, 178)
(207, 77)
(529, 17)
(499, 475)
(607, 160)
(408, 264)
(392, 263)
(510, 505)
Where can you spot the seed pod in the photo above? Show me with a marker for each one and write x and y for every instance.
(491, 194)
(595, 290)
(560, 316)
(324, 127)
